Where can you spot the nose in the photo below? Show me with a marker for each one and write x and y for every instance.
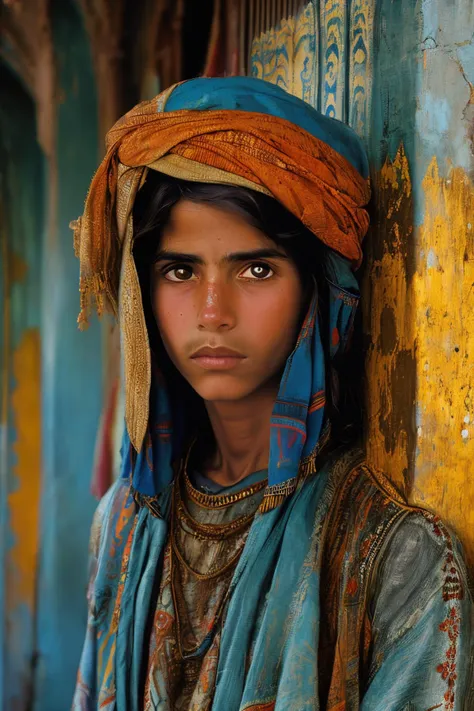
(216, 309)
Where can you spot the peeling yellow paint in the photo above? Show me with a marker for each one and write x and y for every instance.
(444, 292)
(419, 317)
(389, 323)
(23, 503)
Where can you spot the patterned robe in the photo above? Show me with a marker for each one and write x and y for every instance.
(350, 600)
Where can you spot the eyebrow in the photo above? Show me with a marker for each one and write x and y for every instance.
(255, 254)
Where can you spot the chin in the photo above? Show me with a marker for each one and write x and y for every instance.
(222, 389)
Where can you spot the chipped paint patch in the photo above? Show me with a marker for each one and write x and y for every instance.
(388, 323)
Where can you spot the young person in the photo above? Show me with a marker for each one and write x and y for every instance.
(248, 558)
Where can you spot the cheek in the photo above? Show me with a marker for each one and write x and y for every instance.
(275, 317)
(172, 315)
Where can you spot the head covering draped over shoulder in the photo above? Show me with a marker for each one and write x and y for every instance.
(236, 130)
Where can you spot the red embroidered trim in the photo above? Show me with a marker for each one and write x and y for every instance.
(452, 590)
(452, 587)
(448, 668)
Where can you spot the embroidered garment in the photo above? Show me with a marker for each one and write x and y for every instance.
(207, 536)
(369, 611)
(301, 618)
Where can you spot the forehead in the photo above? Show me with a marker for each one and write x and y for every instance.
(209, 229)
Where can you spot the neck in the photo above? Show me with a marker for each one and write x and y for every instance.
(242, 433)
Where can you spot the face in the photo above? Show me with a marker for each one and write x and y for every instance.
(227, 302)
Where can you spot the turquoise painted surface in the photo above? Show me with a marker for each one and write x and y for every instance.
(72, 382)
(445, 113)
(423, 79)
(395, 90)
(21, 202)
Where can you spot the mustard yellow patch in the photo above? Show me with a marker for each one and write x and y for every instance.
(23, 503)
(444, 293)
(419, 317)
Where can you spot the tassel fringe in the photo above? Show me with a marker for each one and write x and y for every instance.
(274, 496)
(270, 502)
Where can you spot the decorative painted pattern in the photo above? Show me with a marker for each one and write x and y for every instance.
(333, 22)
(360, 64)
(289, 54)
(286, 55)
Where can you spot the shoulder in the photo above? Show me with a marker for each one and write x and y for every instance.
(421, 558)
(367, 496)
(364, 508)
(387, 538)
(422, 538)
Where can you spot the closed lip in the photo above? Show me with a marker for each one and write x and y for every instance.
(220, 352)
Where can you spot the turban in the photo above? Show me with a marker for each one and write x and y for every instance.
(236, 130)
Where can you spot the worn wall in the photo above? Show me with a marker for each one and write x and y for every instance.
(445, 268)
(421, 274)
(21, 217)
(401, 73)
(51, 373)
(78, 64)
(72, 379)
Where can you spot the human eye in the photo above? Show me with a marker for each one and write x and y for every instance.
(178, 272)
(257, 271)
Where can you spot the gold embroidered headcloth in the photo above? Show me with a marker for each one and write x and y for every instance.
(260, 150)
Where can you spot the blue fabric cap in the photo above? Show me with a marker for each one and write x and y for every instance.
(258, 96)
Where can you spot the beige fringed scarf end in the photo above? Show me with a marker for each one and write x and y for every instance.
(89, 288)
(76, 226)
(92, 287)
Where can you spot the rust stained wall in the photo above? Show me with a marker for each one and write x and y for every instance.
(444, 279)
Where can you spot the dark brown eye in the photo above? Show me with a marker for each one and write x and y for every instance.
(179, 273)
(257, 271)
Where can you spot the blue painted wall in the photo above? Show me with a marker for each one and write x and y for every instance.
(21, 205)
(72, 381)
